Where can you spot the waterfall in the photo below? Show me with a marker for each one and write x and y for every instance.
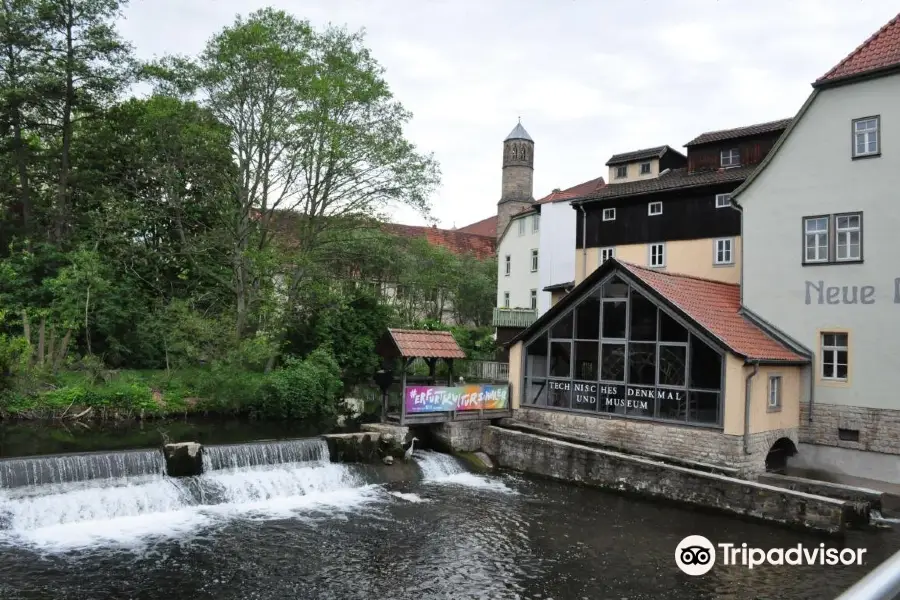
(435, 465)
(235, 456)
(63, 468)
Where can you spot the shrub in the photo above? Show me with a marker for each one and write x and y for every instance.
(306, 388)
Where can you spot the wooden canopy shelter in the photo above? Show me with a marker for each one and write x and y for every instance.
(406, 345)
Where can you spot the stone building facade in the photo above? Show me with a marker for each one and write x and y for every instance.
(517, 182)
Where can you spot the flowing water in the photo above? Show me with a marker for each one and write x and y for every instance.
(277, 520)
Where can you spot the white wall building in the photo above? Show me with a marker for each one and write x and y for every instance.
(519, 262)
(821, 256)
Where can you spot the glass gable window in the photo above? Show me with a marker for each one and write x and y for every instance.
(617, 352)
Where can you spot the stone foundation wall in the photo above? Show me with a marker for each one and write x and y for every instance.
(460, 436)
(680, 441)
(879, 429)
(626, 473)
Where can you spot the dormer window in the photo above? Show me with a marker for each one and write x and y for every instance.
(645, 168)
(622, 172)
(730, 158)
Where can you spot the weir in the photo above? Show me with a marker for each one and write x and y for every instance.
(81, 500)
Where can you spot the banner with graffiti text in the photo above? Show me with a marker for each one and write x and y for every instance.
(439, 398)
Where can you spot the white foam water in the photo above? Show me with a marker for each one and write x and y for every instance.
(414, 498)
(63, 468)
(443, 469)
(129, 511)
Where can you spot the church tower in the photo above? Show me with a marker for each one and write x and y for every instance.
(518, 176)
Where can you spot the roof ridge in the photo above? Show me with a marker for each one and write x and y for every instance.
(860, 48)
(679, 275)
(760, 124)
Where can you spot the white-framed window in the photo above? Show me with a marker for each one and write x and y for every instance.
(507, 262)
(645, 168)
(622, 172)
(724, 251)
(657, 255)
(815, 239)
(606, 254)
(534, 260)
(521, 226)
(865, 136)
(723, 200)
(609, 214)
(848, 237)
(533, 299)
(535, 223)
(774, 392)
(730, 158)
(835, 356)
(654, 208)
(505, 299)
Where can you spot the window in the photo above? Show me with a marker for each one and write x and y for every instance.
(724, 251)
(723, 200)
(505, 299)
(507, 261)
(534, 260)
(730, 158)
(657, 255)
(616, 352)
(815, 230)
(835, 356)
(848, 230)
(645, 168)
(533, 299)
(829, 239)
(609, 214)
(622, 172)
(606, 254)
(535, 223)
(865, 137)
(521, 226)
(654, 208)
(774, 392)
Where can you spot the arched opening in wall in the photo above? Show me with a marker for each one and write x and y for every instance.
(781, 450)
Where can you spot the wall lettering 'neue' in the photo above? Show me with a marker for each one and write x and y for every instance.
(819, 293)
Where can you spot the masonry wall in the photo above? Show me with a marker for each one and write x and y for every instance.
(685, 442)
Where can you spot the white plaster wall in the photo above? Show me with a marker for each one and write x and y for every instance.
(521, 279)
(557, 248)
(813, 174)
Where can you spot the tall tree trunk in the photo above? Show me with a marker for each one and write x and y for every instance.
(63, 349)
(87, 330)
(41, 333)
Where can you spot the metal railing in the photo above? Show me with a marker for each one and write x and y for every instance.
(471, 370)
(513, 317)
(881, 584)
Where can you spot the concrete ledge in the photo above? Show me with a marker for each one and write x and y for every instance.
(871, 498)
(363, 447)
(634, 474)
(184, 459)
(577, 439)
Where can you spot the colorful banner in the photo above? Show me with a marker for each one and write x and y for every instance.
(439, 398)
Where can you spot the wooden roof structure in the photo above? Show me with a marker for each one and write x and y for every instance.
(415, 343)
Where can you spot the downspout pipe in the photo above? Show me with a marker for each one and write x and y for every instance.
(747, 387)
(740, 209)
(583, 242)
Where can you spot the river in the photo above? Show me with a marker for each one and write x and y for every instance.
(278, 520)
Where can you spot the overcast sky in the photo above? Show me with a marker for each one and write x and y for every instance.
(590, 78)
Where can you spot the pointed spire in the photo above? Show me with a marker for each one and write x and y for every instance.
(518, 133)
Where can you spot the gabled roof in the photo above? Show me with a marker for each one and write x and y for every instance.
(627, 157)
(712, 307)
(878, 53)
(567, 285)
(576, 191)
(413, 343)
(674, 179)
(454, 240)
(739, 132)
(487, 227)
(518, 133)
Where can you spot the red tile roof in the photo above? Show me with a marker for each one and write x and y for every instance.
(576, 191)
(880, 51)
(458, 242)
(426, 344)
(484, 227)
(716, 307)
